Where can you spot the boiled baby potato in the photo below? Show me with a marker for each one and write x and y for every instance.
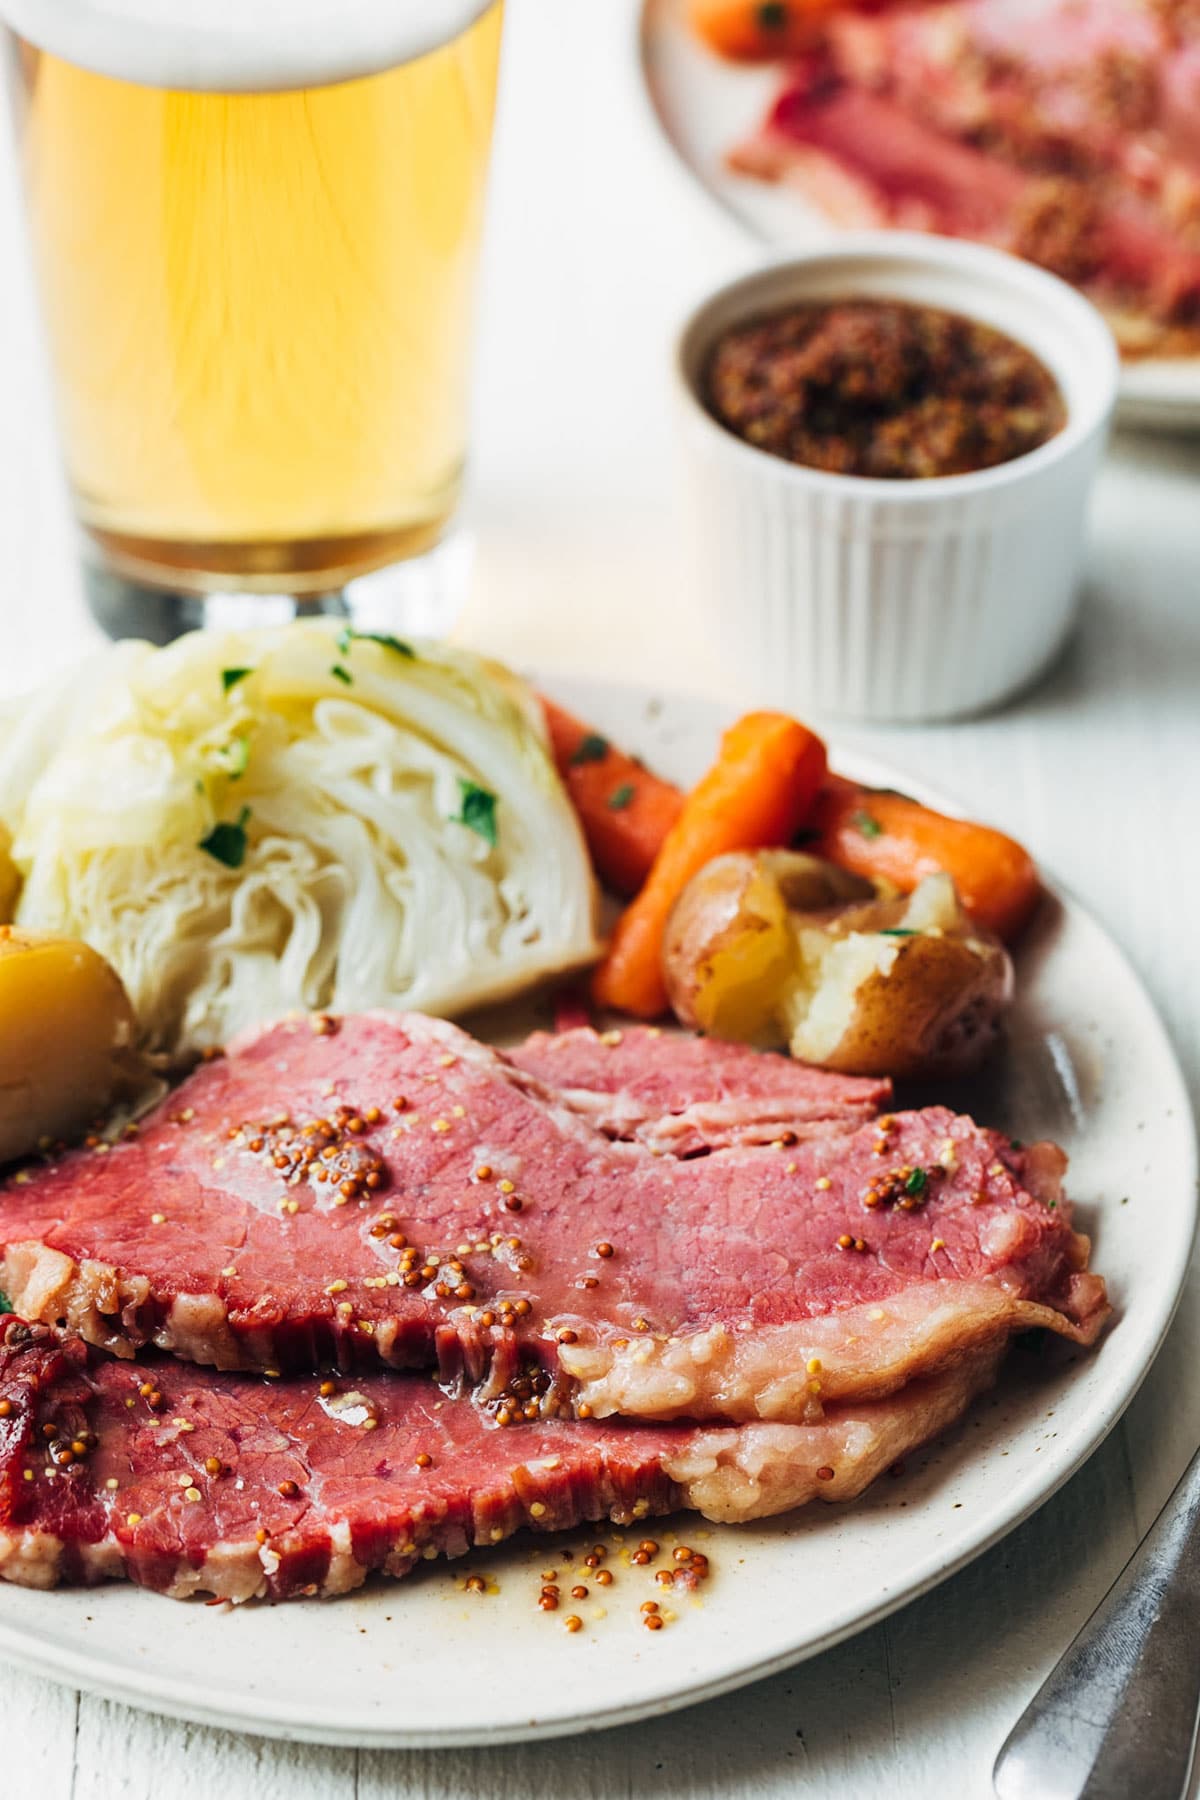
(729, 946)
(774, 947)
(67, 1035)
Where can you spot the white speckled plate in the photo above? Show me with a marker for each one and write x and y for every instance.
(705, 106)
(425, 1663)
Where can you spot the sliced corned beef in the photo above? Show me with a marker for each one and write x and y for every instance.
(684, 1094)
(188, 1481)
(385, 1187)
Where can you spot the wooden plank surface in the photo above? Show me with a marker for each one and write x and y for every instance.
(596, 244)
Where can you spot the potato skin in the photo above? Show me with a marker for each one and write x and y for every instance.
(67, 1033)
(935, 1013)
(776, 948)
(728, 941)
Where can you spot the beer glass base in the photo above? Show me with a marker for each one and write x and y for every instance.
(421, 596)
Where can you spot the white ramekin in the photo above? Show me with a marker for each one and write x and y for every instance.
(896, 600)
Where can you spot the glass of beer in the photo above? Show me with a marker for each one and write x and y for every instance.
(255, 227)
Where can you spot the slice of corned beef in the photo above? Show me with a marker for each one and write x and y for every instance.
(683, 1095)
(188, 1481)
(867, 158)
(385, 1187)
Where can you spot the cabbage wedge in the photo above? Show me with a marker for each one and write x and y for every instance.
(249, 822)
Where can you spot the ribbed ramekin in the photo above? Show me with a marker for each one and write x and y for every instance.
(896, 600)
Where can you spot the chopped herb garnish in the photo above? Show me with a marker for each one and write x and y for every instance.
(870, 828)
(234, 757)
(477, 812)
(6, 1305)
(342, 674)
(772, 15)
(898, 931)
(347, 636)
(592, 748)
(388, 641)
(620, 797)
(916, 1181)
(1017, 1143)
(1053, 1205)
(231, 677)
(227, 842)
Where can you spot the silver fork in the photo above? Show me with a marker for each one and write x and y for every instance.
(1116, 1718)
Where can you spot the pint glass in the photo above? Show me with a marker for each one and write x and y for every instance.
(255, 230)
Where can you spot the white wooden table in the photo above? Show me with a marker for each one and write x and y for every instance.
(597, 244)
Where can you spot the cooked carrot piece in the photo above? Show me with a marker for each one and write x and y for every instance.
(624, 810)
(883, 835)
(758, 30)
(759, 792)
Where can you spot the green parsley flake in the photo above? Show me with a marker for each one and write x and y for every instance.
(6, 1305)
(592, 748)
(231, 677)
(898, 931)
(347, 636)
(477, 811)
(235, 757)
(388, 641)
(342, 674)
(619, 799)
(916, 1181)
(772, 15)
(869, 827)
(227, 842)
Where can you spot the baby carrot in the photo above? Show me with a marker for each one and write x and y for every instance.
(757, 793)
(624, 810)
(758, 30)
(883, 835)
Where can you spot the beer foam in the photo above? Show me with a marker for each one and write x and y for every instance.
(239, 45)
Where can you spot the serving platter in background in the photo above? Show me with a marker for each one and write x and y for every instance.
(704, 106)
(425, 1663)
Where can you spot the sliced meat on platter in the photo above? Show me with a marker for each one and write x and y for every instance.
(906, 172)
(1063, 130)
(189, 1482)
(385, 1188)
(688, 1094)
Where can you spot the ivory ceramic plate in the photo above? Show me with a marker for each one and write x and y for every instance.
(423, 1662)
(705, 106)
